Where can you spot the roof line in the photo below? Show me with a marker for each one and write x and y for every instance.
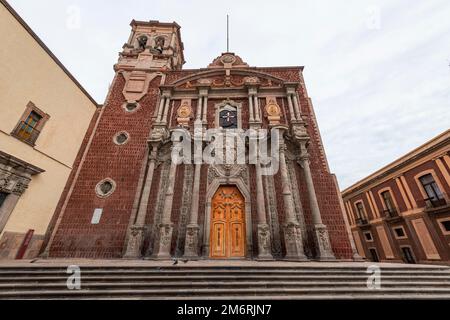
(415, 152)
(46, 49)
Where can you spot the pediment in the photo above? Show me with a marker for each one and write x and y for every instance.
(236, 78)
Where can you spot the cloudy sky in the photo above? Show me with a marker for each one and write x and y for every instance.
(377, 71)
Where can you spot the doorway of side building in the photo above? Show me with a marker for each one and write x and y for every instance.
(227, 238)
(408, 256)
(374, 255)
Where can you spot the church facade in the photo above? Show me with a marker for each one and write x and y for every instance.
(130, 195)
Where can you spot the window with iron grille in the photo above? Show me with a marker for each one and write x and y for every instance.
(431, 188)
(30, 125)
(387, 199)
(360, 208)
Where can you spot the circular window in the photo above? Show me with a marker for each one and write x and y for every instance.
(130, 106)
(121, 138)
(105, 187)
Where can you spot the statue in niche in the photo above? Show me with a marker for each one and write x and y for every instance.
(142, 42)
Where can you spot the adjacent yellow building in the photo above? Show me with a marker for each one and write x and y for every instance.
(44, 116)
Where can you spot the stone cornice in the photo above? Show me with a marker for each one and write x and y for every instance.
(19, 164)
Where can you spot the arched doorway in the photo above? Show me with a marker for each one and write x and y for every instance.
(227, 237)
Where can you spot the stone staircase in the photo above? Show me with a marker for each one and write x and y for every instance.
(197, 280)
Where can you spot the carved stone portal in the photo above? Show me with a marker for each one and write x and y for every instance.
(322, 240)
(293, 240)
(191, 242)
(165, 239)
(264, 242)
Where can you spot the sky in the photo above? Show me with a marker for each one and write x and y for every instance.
(378, 72)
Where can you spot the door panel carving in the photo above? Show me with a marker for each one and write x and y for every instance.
(228, 223)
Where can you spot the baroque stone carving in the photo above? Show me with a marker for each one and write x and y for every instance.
(264, 244)
(292, 239)
(227, 171)
(322, 239)
(273, 111)
(184, 112)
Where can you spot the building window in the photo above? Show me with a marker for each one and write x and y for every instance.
(400, 233)
(368, 236)
(374, 255)
(408, 256)
(105, 188)
(121, 138)
(445, 225)
(31, 124)
(360, 209)
(434, 194)
(130, 106)
(388, 203)
(3, 196)
(361, 214)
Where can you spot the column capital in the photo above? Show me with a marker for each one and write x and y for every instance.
(291, 87)
(166, 91)
(252, 90)
(203, 92)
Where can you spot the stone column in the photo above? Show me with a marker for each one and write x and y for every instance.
(160, 109)
(136, 236)
(292, 232)
(199, 108)
(264, 242)
(297, 111)
(291, 108)
(166, 226)
(205, 108)
(250, 106)
(324, 251)
(191, 246)
(256, 106)
(166, 109)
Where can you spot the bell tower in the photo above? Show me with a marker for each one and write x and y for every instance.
(152, 46)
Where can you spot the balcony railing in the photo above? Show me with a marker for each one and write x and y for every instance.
(434, 202)
(26, 133)
(361, 221)
(390, 213)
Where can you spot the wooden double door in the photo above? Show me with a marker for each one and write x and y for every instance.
(227, 238)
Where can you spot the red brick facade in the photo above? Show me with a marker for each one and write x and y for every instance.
(73, 235)
(424, 217)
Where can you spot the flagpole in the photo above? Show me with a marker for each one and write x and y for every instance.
(228, 39)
